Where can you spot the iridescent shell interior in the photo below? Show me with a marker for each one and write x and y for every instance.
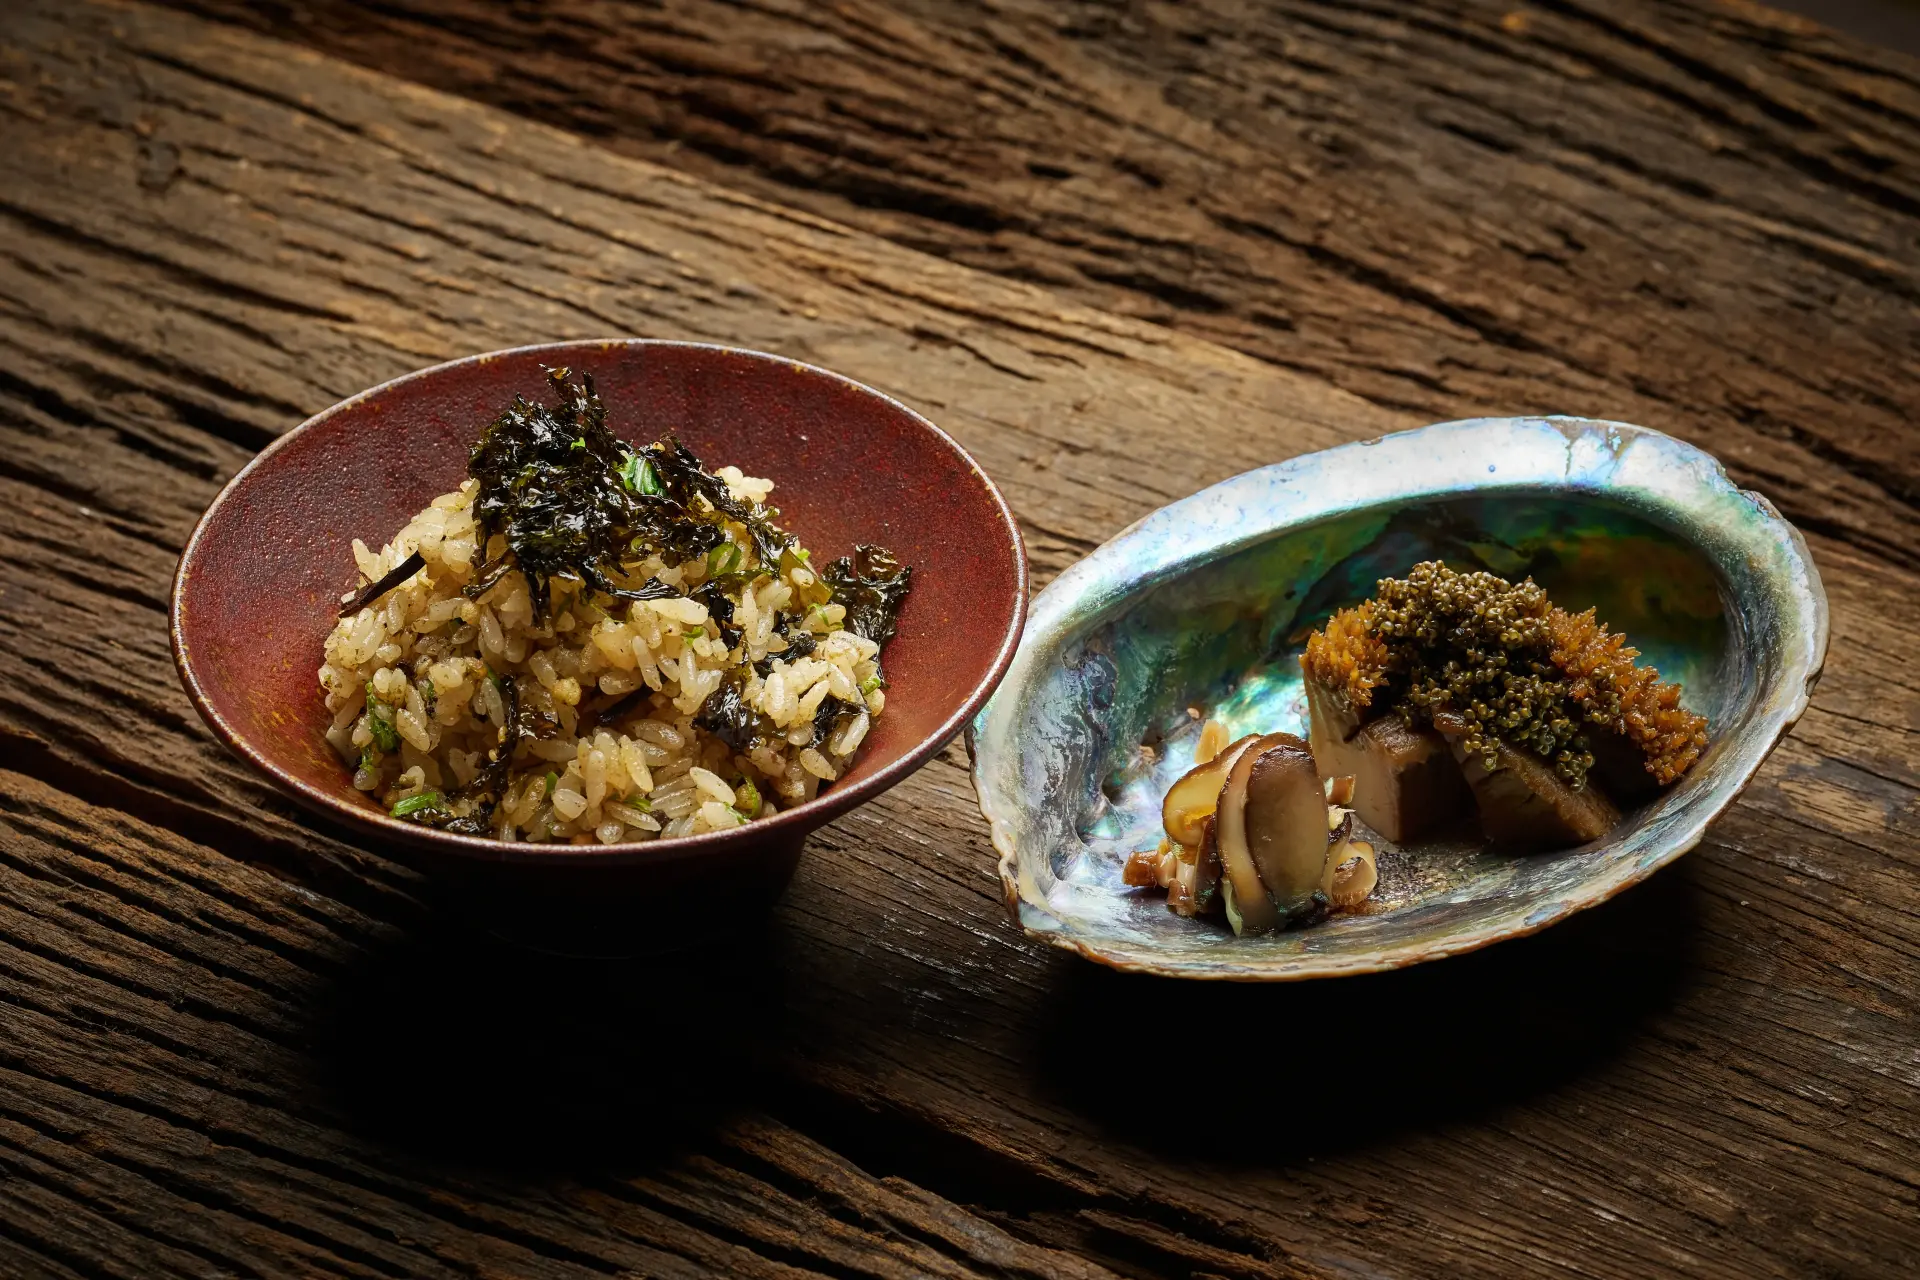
(1204, 608)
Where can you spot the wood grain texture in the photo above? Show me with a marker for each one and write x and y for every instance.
(1700, 215)
(234, 1043)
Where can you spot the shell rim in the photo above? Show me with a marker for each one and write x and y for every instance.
(792, 823)
(1610, 882)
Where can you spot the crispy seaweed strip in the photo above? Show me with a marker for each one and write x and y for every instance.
(603, 709)
(800, 643)
(832, 711)
(651, 589)
(682, 477)
(726, 715)
(572, 502)
(393, 578)
(489, 576)
(719, 610)
(548, 481)
(872, 586)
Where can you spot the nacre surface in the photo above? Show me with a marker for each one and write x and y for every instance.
(1204, 607)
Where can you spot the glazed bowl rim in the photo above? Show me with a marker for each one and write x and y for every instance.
(1080, 599)
(792, 823)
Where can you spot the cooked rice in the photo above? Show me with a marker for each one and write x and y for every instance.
(428, 655)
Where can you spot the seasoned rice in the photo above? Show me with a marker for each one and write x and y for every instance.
(414, 684)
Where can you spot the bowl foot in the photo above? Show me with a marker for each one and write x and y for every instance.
(615, 913)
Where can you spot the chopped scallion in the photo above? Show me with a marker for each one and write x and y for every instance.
(414, 804)
(639, 475)
(380, 723)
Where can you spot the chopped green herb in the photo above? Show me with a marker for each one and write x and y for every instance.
(380, 723)
(724, 558)
(369, 756)
(553, 781)
(385, 736)
(746, 799)
(639, 476)
(414, 804)
(871, 683)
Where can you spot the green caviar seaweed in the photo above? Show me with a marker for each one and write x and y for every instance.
(1482, 646)
(1510, 665)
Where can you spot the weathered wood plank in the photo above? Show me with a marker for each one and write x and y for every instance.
(1665, 1084)
(1699, 215)
(183, 1072)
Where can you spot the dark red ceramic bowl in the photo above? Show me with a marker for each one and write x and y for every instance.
(260, 581)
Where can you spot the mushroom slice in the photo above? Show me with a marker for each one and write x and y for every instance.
(1285, 825)
(1197, 794)
(1249, 909)
(1524, 804)
(1354, 876)
(1195, 890)
(1351, 873)
(1213, 740)
(1149, 868)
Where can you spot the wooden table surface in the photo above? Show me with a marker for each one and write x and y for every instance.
(1121, 251)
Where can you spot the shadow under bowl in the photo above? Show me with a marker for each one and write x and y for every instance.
(259, 585)
(1206, 605)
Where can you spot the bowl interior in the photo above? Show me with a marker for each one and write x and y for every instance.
(1198, 612)
(260, 583)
